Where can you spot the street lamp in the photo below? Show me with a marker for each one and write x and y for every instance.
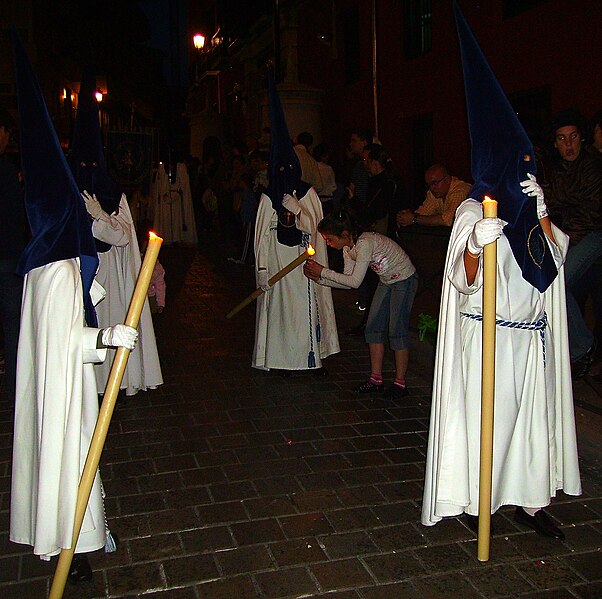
(199, 41)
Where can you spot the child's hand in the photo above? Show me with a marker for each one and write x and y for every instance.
(312, 270)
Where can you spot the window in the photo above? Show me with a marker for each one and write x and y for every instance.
(351, 39)
(417, 27)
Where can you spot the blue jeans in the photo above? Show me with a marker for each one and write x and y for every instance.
(390, 313)
(579, 260)
(11, 289)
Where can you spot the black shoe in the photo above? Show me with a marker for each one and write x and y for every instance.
(368, 387)
(473, 524)
(80, 570)
(396, 392)
(580, 368)
(541, 523)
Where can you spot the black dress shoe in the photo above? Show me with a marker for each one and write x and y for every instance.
(541, 523)
(80, 570)
(473, 524)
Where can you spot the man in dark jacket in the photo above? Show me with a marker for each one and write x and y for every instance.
(575, 202)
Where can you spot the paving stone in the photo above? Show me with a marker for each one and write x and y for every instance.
(258, 531)
(310, 501)
(590, 591)
(297, 552)
(238, 587)
(587, 564)
(285, 583)
(155, 548)
(392, 591)
(352, 519)
(349, 544)
(263, 507)
(134, 578)
(341, 574)
(174, 520)
(546, 574)
(499, 581)
(192, 569)
(241, 560)
(399, 566)
(203, 540)
(231, 511)
(445, 586)
(401, 536)
(360, 495)
(305, 525)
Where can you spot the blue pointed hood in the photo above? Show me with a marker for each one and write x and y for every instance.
(59, 223)
(87, 159)
(284, 170)
(499, 147)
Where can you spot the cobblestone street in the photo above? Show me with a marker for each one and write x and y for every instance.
(229, 483)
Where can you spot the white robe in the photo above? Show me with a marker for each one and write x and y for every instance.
(287, 316)
(535, 449)
(55, 414)
(117, 273)
(173, 210)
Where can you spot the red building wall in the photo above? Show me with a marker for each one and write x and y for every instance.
(556, 46)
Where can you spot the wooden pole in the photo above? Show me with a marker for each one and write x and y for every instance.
(487, 387)
(308, 253)
(104, 417)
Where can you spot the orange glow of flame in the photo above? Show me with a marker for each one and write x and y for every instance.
(152, 235)
(488, 199)
(310, 250)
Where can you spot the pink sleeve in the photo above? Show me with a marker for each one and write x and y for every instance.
(158, 281)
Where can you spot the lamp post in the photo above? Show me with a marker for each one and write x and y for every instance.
(198, 41)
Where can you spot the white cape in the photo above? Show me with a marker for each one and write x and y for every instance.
(173, 210)
(296, 316)
(55, 414)
(535, 449)
(117, 273)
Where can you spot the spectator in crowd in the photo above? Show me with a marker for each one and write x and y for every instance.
(358, 183)
(329, 194)
(445, 193)
(310, 172)
(575, 200)
(596, 125)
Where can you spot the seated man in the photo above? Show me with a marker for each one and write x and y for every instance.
(445, 193)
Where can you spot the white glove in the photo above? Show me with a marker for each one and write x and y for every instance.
(262, 280)
(532, 188)
(120, 335)
(291, 203)
(484, 232)
(92, 205)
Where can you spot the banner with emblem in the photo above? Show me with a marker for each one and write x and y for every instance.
(129, 158)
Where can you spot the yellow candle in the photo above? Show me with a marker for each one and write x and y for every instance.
(300, 259)
(487, 386)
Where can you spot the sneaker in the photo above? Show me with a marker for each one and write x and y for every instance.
(368, 387)
(396, 392)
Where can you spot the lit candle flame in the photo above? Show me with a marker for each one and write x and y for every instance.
(310, 250)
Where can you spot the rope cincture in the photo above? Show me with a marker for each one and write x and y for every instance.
(311, 356)
(537, 325)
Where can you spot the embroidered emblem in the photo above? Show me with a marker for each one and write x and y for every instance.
(536, 245)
